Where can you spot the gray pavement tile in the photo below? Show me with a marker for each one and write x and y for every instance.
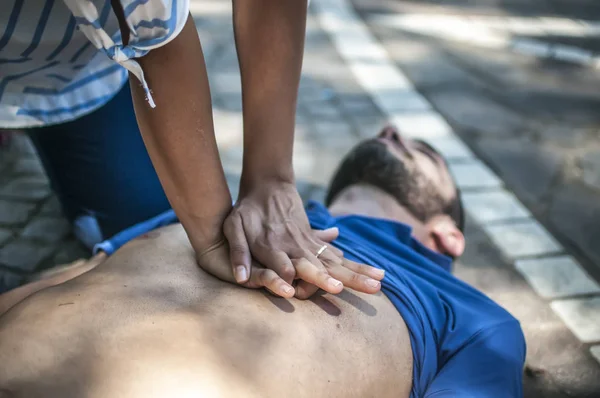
(595, 351)
(369, 127)
(227, 83)
(493, 206)
(226, 56)
(302, 116)
(537, 87)
(474, 111)
(233, 181)
(358, 104)
(426, 125)
(310, 86)
(27, 188)
(9, 280)
(317, 194)
(452, 148)
(525, 238)
(232, 158)
(51, 207)
(303, 131)
(572, 48)
(23, 255)
(228, 128)
(400, 101)
(574, 213)
(582, 316)
(15, 213)
(474, 175)
(21, 144)
(527, 167)
(556, 277)
(567, 53)
(47, 229)
(335, 135)
(590, 163)
(341, 80)
(304, 189)
(69, 251)
(323, 110)
(228, 101)
(5, 235)
(314, 164)
(337, 128)
(566, 137)
(425, 64)
(310, 93)
(30, 166)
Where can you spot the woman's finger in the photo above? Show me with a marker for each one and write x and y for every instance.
(326, 235)
(363, 269)
(263, 277)
(305, 290)
(239, 251)
(353, 280)
(314, 273)
(279, 262)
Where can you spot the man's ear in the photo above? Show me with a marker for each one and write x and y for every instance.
(447, 238)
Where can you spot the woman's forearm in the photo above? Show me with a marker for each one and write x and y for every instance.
(269, 36)
(179, 135)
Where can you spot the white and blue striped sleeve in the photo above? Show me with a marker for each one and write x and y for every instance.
(152, 24)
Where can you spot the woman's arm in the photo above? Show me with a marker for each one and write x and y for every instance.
(179, 133)
(268, 221)
(269, 37)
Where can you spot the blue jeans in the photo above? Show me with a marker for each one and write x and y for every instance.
(99, 168)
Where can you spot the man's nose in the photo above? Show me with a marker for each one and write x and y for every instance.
(391, 133)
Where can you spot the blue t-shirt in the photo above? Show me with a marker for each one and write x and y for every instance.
(464, 344)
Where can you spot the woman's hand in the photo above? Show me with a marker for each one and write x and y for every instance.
(215, 261)
(269, 224)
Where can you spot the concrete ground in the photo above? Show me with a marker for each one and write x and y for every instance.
(519, 83)
(524, 109)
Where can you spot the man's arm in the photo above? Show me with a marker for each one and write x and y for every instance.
(489, 366)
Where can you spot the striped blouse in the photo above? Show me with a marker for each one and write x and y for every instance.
(62, 59)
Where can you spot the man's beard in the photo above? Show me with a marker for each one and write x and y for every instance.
(371, 163)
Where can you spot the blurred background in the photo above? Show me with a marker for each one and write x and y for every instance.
(508, 90)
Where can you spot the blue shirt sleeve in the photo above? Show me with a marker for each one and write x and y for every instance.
(489, 366)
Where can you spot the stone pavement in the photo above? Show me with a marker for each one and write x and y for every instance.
(339, 105)
(532, 119)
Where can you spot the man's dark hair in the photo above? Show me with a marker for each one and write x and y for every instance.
(371, 163)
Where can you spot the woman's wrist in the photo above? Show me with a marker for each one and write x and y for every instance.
(205, 230)
(264, 178)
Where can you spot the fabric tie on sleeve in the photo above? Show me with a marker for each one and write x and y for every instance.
(152, 24)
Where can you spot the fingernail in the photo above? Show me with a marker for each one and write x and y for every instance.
(379, 272)
(241, 275)
(372, 282)
(287, 289)
(334, 283)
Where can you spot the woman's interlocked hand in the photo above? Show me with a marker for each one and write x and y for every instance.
(268, 224)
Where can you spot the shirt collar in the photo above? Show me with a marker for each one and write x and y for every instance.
(321, 218)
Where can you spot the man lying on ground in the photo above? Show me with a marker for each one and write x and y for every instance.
(147, 322)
